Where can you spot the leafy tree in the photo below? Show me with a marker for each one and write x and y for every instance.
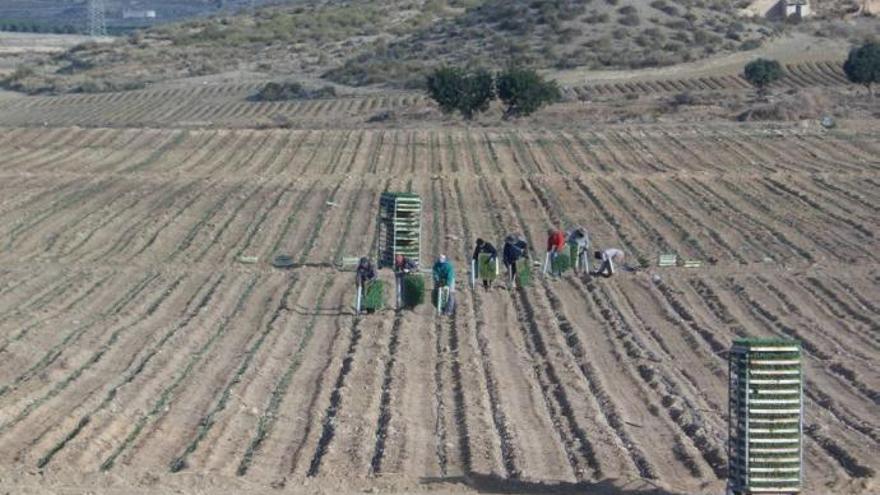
(524, 91)
(444, 86)
(761, 73)
(455, 89)
(479, 91)
(863, 65)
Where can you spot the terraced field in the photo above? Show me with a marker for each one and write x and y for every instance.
(216, 105)
(134, 343)
(795, 75)
(228, 105)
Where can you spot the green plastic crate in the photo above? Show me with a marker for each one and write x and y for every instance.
(487, 268)
(524, 272)
(413, 290)
(374, 298)
(561, 264)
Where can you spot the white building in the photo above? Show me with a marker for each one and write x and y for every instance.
(778, 9)
(138, 14)
(795, 8)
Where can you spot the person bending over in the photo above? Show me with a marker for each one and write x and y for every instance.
(484, 247)
(607, 260)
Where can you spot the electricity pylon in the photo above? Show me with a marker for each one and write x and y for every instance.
(97, 19)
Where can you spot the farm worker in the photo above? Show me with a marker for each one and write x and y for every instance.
(515, 248)
(365, 272)
(580, 239)
(402, 266)
(444, 276)
(555, 245)
(484, 247)
(608, 258)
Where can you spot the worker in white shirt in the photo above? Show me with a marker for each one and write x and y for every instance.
(607, 260)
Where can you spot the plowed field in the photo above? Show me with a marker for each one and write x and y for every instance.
(134, 342)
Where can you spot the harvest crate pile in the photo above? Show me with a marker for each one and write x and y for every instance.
(399, 227)
(766, 413)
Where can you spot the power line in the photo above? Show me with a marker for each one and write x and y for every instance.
(97, 19)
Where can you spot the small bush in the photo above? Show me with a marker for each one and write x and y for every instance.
(683, 99)
(274, 91)
(630, 20)
(596, 18)
(750, 45)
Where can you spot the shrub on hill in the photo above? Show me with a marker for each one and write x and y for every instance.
(275, 91)
(863, 65)
(761, 73)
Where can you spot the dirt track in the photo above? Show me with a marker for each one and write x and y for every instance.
(134, 343)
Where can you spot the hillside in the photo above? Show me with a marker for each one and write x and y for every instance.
(304, 39)
(394, 42)
(562, 34)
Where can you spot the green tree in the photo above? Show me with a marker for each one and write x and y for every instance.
(524, 91)
(863, 65)
(761, 73)
(455, 89)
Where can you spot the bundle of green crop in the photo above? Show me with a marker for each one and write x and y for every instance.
(413, 291)
(487, 268)
(524, 272)
(374, 299)
(572, 253)
(561, 263)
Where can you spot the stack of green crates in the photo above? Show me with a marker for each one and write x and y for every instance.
(765, 448)
(400, 217)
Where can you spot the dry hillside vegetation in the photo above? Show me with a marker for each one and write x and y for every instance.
(394, 41)
(273, 41)
(560, 34)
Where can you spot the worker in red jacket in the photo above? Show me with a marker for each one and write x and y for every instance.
(555, 245)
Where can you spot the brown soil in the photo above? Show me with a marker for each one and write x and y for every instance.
(140, 356)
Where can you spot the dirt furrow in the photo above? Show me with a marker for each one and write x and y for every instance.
(163, 401)
(180, 430)
(54, 441)
(709, 450)
(33, 367)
